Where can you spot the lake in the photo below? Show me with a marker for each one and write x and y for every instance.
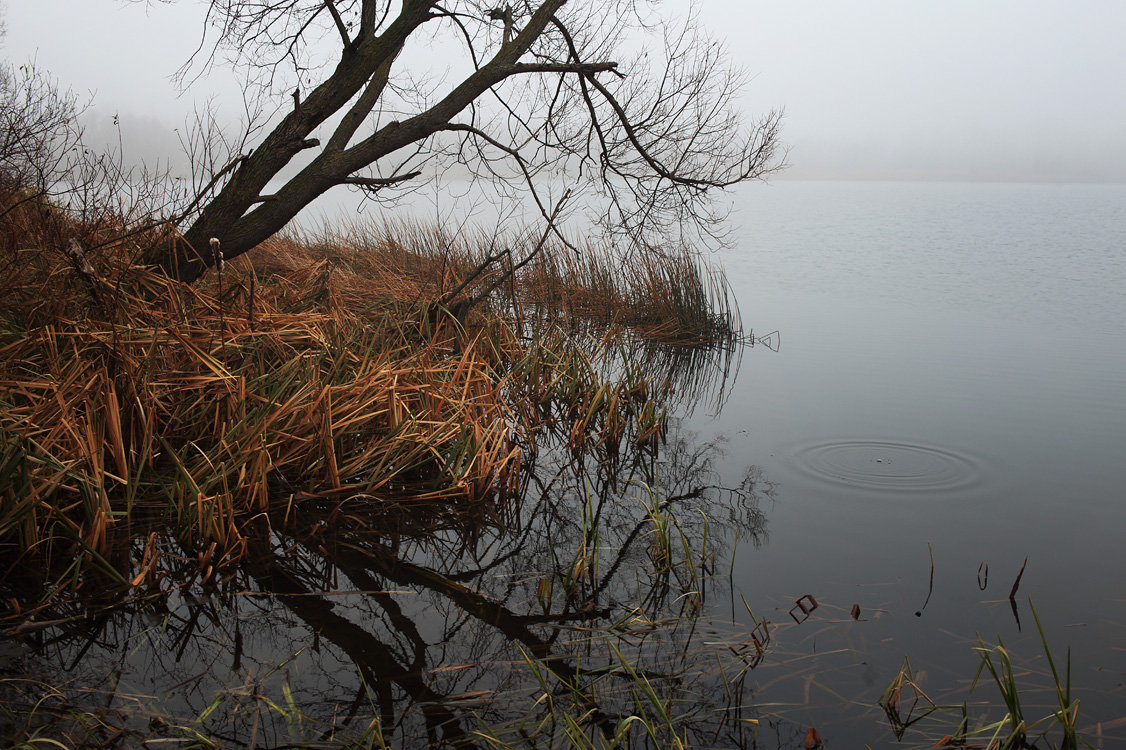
(951, 376)
(936, 396)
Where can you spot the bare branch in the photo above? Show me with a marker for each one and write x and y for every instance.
(528, 103)
(585, 69)
(375, 183)
(339, 23)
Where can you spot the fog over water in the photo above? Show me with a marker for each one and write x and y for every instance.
(873, 89)
(949, 386)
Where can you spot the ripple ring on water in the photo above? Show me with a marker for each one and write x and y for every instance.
(886, 465)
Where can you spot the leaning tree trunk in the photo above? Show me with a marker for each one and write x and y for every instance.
(660, 151)
(243, 215)
(187, 257)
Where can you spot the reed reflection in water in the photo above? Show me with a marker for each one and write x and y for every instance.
(584, 611)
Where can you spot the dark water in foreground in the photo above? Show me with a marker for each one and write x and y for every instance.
(953, 373)
(950, 380)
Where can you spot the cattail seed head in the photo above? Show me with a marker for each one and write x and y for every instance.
(217, 252)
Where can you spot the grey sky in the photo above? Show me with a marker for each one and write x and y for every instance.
(898, 89)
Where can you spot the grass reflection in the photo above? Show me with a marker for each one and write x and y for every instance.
(581, 616)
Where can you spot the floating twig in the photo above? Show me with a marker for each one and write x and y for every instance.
(806, 604)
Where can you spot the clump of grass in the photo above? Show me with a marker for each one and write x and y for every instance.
(670, 295)
(1063, 721)
(641, 678)
(558, 383)
(1015, 730)
(904, 701)
(315, 370)
(215, 421)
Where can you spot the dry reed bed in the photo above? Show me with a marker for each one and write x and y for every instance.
(313, 372)
(170, 400)
(218, 426)
(672, 295)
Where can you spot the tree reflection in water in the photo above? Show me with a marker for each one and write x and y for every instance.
(587, 612)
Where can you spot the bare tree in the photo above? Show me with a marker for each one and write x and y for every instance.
(38, 131)
(45, 162)
(41, 151)
(527, 99)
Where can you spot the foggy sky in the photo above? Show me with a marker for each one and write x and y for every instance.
(1003, 90)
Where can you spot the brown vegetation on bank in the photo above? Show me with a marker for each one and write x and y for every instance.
(319, 372)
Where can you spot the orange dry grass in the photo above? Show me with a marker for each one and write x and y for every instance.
(313, 373)
(216, 411)
(405, 262)
(670, 295)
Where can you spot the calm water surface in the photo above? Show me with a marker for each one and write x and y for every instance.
(950, 381)
(952, 373)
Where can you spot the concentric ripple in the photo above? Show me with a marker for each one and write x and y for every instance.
(886, 465)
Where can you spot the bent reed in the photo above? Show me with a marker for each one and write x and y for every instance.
(341, 370)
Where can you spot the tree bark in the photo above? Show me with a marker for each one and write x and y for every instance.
(656, 147)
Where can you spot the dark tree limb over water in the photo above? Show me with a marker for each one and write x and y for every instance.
(539, 93)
